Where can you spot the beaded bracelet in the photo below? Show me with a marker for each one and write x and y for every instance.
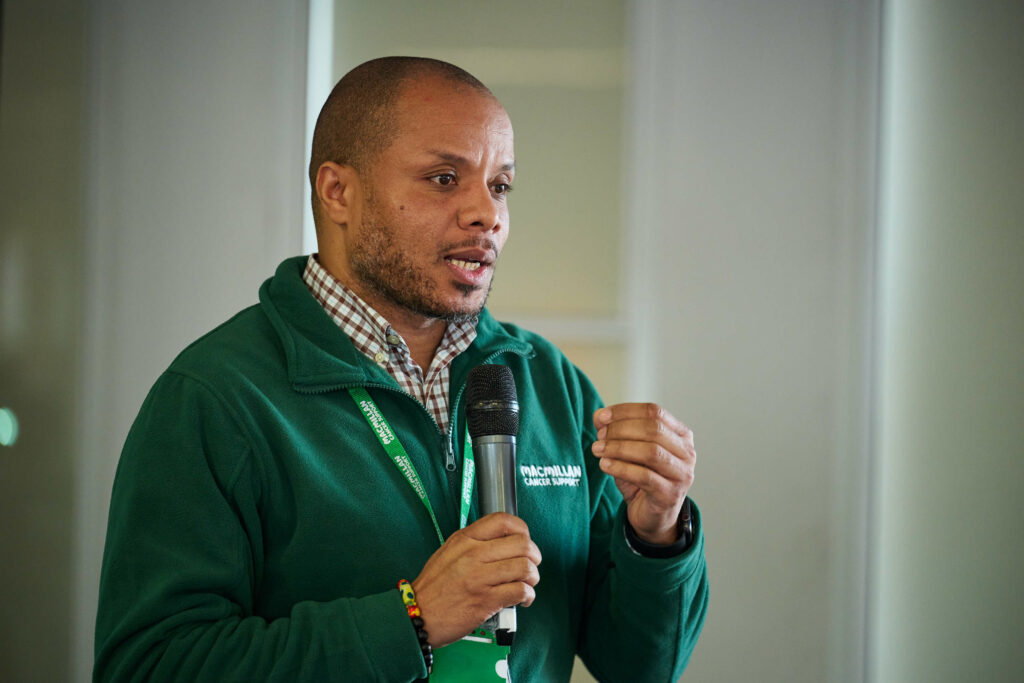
(409, 599)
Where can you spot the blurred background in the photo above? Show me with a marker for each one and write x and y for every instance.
(799, 224)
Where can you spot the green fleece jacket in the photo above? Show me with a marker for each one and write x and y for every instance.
(257, 528)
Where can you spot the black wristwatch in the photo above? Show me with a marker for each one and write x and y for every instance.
(652, 550)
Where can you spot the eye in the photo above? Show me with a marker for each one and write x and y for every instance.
(502, 188)
(443, 179)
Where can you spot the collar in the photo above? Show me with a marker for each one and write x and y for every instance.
(370, 332)
(320, 357)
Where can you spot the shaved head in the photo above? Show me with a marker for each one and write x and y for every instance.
(359, 119)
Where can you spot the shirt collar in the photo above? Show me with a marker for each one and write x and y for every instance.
(370, 332)
(318, 358)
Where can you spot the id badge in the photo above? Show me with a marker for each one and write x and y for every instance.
(474, 659)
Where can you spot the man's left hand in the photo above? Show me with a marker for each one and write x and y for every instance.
(651, 456)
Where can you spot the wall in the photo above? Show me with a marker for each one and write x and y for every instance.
(42, 103)
(195, 175)
(948, 603)
(752, 207)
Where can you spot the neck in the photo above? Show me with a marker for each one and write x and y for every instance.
(422, 335)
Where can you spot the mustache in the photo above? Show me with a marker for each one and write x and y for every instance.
(485, 243)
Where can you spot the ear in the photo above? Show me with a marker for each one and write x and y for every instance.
(338, 189)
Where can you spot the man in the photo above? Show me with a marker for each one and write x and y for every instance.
(259, 524)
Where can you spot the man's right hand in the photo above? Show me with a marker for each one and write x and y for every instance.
(490, 564)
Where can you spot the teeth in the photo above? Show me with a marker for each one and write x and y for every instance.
(465, 265)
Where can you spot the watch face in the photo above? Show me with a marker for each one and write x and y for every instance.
(686, 524)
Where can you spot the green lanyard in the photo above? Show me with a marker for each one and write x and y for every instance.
(396, 451)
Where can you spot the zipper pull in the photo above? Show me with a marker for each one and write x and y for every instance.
(449, 455)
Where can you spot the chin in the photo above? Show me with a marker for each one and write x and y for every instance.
(459, 301)
(468, 297)
(463, 310)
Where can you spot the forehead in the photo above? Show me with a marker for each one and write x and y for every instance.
(432, 113)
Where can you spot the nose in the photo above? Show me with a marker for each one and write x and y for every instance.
(480, 209)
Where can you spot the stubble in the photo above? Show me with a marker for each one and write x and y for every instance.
(385, 266)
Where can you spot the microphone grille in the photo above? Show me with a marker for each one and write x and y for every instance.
(491, 403)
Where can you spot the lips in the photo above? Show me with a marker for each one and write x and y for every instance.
(465, 265)
(473, 255)
(470, 265)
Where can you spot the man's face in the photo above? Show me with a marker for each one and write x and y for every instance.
(434, 214)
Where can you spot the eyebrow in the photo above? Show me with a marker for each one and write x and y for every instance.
(458, 159)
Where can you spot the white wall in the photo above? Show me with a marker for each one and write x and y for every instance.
(752, 210)
(195, 172)
(949, 600)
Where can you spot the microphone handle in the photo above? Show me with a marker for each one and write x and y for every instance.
(495, 457)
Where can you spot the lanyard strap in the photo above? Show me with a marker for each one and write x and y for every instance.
(394, 448)
(468, 479)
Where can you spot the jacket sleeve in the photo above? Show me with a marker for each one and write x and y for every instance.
(642, 615)
(182, 564)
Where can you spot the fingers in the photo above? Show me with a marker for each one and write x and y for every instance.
(674, 462)
(491, 546)
(488, 565)
(663, 492)
(496, 525)
(651, 412)
(510, 547)
(638, 429)
(517, 594)
(645, 434)
(645, 465)
(651, 456)
(514, 580)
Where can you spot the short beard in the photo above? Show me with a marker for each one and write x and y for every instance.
(383, 267)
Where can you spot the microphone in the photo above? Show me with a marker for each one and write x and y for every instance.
(492, 414)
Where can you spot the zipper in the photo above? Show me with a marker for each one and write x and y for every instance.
(449, 454)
